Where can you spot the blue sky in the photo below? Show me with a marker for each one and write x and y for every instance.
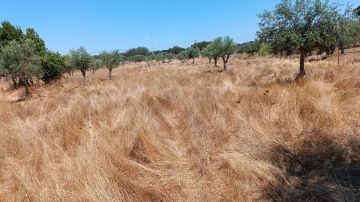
(123, 24)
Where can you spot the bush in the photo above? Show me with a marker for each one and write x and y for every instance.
(53, 67)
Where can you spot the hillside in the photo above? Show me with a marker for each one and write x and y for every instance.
(178, 132)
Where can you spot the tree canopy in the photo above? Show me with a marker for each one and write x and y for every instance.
(8, 33)
(53, 66)
(200, 45)
(20, 60)
(250, 47)
(137, 51)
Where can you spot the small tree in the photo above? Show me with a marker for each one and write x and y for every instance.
(183, 56)
(111, 60)
(80, 59)
(213, 50)
(193, 53)
(207, 53)
(96, 64)
(221, 48)
(303, 25)
(20, 60)
(53, 66)
(226, 50)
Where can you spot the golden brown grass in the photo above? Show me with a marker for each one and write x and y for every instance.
(178, 132)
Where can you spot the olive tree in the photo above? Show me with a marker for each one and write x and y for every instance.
(80, 59)
(221, 47)
(213, 51)
(301, 25)
(96, 64)
(111, 60)
(183, 56)
(20, 60)
(227, 48)
(193, 53)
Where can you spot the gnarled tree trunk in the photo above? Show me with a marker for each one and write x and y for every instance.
(225, 61)
(26, 86)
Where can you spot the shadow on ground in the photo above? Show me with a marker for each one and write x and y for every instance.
(317, 169)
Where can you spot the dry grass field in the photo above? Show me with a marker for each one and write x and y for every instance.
(178, 132)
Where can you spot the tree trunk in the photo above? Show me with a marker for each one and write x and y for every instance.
(302, 71)
(216, 60)
(110, 73)
(193, 62)
(210, 62)
(83, 72)
(14, 82)
(26, 86)
(225, 63)
(225, 60)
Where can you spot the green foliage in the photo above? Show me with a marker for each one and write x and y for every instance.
(193, 52)
(138, 58)
(183, 56)
(39, 43)
(357, 11)
(250, 48)
(96, 63)
(53, 66)
(350, 37)
(80, 59)
(161, 57)
(137, 51)
(264, 49)
(68, 68)
(221, 47)
(20, 60)
(201, 45)
(9, 33)
(111, 59)
(175, 50)
(213, 49)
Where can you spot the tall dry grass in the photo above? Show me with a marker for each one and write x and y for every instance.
(178, 132)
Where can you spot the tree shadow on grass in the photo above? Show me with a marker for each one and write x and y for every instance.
(317, 169)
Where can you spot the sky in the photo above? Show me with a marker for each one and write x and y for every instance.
(123, 24)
